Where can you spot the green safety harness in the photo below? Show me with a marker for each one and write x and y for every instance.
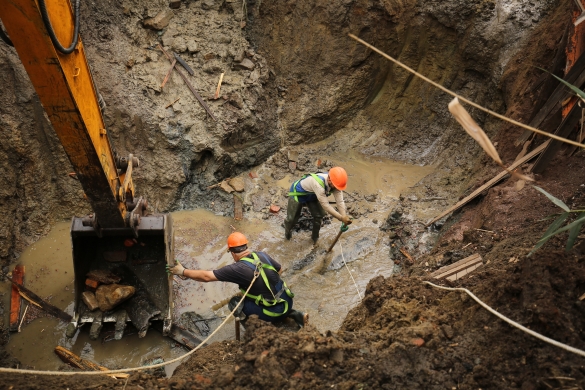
(259, 299)
(296, 193)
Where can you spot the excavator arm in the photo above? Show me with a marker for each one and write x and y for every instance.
(67, 92)
(120, 237)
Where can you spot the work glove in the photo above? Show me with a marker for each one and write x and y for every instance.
(346, 219)
(344, 227)
(178, 269)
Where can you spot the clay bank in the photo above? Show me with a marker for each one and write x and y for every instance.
(226, 104)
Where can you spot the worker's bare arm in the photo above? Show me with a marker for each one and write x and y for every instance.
(200, 275)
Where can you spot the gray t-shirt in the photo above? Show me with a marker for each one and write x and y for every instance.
(242, 274)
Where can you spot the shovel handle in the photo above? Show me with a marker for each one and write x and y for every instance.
(335, 241)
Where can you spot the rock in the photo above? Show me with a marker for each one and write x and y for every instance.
(447, 331)
(226, 187)
(192, 46)
(371, 198)
(254, 76)
(418, 342)
(239, 56)
(274, 208)
(111, 295)
(245, 64)
(259, 202)
(237, 183)
(175, 4)
(309, 347)
(253, 175)
(160, 21)
(90, 300)
(336, 355)
(179, 45)
(103, 276)
(209, 5)
(236, 100)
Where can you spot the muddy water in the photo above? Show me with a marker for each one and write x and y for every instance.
(322, 281)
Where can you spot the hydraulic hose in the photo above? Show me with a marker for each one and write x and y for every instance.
(49, 27)
(4, 37)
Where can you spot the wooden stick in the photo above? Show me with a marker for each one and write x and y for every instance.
(335, 241)
(38, 301)
(22, 319)
(75, 361)
(238, 208)
(218, 184)
(184, 64)
(237, 322)
(407, 255)
(197, 96)
(490, 183)
(15, 301)
(216, 96)
(86, 365)
(174, 101)
(168, 74)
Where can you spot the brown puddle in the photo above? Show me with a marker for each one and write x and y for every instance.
(321, 282)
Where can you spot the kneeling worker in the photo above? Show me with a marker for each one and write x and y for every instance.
(269, 297)
(312, 190)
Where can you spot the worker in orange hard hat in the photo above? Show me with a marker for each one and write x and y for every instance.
(269, 297)
(312, 191)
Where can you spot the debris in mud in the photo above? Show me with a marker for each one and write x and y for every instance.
(394, 219)
(302, 263)
(103, 276)
(306, 221)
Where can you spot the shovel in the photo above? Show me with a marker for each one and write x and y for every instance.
(343, 228)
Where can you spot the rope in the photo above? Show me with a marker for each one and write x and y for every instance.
(515, 324)
(121, 371)
(348, 270)
(535, 130)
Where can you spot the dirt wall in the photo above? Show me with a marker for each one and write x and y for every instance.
(303, 79)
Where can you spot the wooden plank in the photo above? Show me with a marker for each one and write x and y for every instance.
(39, 302)
(564, 129)
(464, 272)
(238, 208)
(15, 301)
(456, 264)
(459, 267)
(492, 182)
(575, 76)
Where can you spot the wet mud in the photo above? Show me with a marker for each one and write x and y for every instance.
(387, 330)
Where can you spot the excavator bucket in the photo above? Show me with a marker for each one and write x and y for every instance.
(128, 257)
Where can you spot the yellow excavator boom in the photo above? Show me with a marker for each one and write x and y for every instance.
(120, 238)
(66, 90)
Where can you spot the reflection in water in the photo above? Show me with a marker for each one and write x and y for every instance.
(321, 282)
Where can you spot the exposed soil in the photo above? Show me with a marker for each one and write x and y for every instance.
(404, 334)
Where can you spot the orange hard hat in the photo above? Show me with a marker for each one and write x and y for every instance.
(338, 177)
(236, 239)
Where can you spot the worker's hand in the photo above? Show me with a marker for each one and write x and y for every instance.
(344, 227)
(178, 269)
(346, 219)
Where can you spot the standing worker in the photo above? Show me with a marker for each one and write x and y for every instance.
(312, 190)
(269, 297)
